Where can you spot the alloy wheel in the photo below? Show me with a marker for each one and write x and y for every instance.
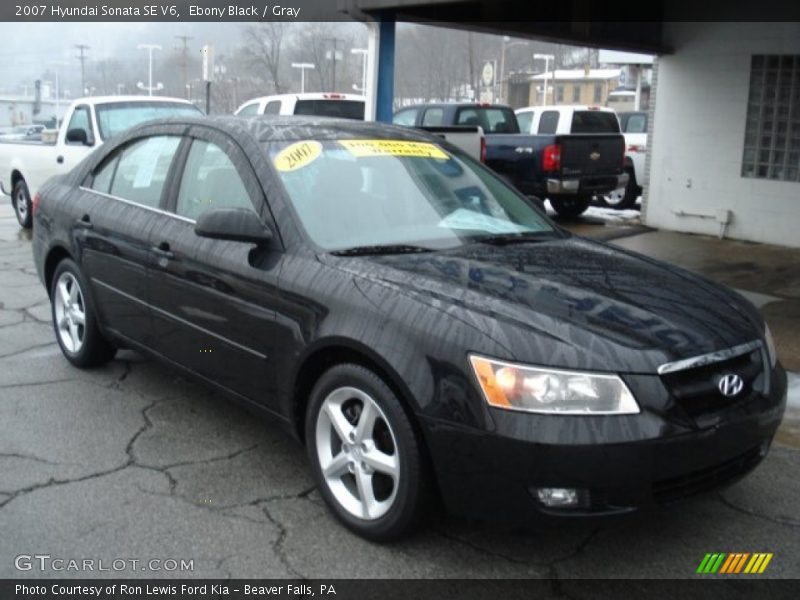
(357, 453)
(70, 312)
(21, 205)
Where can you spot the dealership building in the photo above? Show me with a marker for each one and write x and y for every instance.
(724, 127)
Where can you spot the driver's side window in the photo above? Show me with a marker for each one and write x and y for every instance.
(210, 180)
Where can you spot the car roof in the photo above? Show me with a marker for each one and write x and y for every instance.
(269, 128)
(454, 104)
(587, 107)
(114, 99)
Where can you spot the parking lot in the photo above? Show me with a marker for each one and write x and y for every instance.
(132, 461)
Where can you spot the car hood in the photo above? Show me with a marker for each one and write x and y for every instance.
(571, 302)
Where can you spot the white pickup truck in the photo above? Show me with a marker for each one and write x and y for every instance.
(88, 122)
(318, 104)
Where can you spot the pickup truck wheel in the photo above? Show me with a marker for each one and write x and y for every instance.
(570, 207)
(623, 198)
(21, 199)
(74, 321)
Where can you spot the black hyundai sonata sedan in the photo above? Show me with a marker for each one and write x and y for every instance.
(416, 322)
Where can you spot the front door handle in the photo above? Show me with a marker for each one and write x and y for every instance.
(60, 159)
(163, 251)
(84, 222)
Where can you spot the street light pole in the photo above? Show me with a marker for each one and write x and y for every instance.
(547, 58)
(302, 67)
(149, 48)
(363, 52)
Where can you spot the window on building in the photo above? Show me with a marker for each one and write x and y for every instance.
(576, 93)
(559, 93)
(598, 93)
(772, 130)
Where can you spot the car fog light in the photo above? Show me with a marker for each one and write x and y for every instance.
(558, 497)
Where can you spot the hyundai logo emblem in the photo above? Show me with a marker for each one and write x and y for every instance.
(730, 385)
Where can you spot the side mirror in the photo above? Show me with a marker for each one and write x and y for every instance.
(79, 136)
(234, 224)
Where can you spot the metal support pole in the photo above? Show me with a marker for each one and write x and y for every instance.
(385, 80)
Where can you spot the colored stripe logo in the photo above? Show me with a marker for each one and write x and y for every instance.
(734, 563)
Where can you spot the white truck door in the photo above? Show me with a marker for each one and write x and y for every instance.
(69, 154)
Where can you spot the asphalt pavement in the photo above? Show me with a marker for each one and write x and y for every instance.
(132, 461)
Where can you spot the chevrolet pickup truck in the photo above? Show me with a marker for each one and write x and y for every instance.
(88, 122)
(567, 169)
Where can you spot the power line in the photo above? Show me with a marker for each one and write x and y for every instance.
(82, 48)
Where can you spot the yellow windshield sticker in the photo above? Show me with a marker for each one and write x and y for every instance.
(393, 148)
(297, 156)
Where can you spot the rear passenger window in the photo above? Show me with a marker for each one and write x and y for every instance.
(142, 170)
(636, 124)
(548, 123)
(273, 108)
(210, 181)
(433, 117)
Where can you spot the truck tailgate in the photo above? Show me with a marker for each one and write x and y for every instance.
(591, 154)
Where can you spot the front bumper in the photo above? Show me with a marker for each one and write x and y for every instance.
(619, 464)
(587, 185)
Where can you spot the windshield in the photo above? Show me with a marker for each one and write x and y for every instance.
(343, 109)
(116, 117)
(360, 193)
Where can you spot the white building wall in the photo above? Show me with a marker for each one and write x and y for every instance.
(699, 122)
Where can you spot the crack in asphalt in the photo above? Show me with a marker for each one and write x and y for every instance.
(756, 515)
(277, 545)
(29, 457)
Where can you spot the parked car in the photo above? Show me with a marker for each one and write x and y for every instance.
(418, 323)
(88, 122)
(22, 132)
(634, 128)
(343, 106)
(567, 168)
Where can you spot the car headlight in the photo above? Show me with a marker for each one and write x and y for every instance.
(552, 391)
(772, 355)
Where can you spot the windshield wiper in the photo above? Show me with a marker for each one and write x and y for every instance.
(505, 239)
(381, 249)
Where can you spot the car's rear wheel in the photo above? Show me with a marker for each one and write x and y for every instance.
(570, 207)
(23, 208)
(74, 320)
(365, 455)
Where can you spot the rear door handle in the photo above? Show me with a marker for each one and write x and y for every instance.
(85, 222)
(163, 250)
(60, 159)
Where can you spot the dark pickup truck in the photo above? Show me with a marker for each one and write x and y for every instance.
(567, 169)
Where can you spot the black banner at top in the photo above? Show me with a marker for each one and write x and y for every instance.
(452, 11)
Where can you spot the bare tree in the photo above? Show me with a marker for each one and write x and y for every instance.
(265, 41)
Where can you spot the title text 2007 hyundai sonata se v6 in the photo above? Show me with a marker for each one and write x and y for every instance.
(422, 327)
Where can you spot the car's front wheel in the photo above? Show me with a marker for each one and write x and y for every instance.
(74, 320)
(365, 455)
(23, 208)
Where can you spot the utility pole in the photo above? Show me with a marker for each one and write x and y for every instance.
(82, 48)
(184, 58)
(333, 58)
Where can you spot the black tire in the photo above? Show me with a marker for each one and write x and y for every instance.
(628, 198)
(412, 489)
(21, 201)
(95, 349)
(570, 207)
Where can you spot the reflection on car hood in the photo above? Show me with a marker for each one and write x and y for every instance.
(573, 302)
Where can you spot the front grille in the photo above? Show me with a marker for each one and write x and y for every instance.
(704, 480)
(696, 390)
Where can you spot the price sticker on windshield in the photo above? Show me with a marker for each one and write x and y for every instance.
(297, 155)
(362, 148)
